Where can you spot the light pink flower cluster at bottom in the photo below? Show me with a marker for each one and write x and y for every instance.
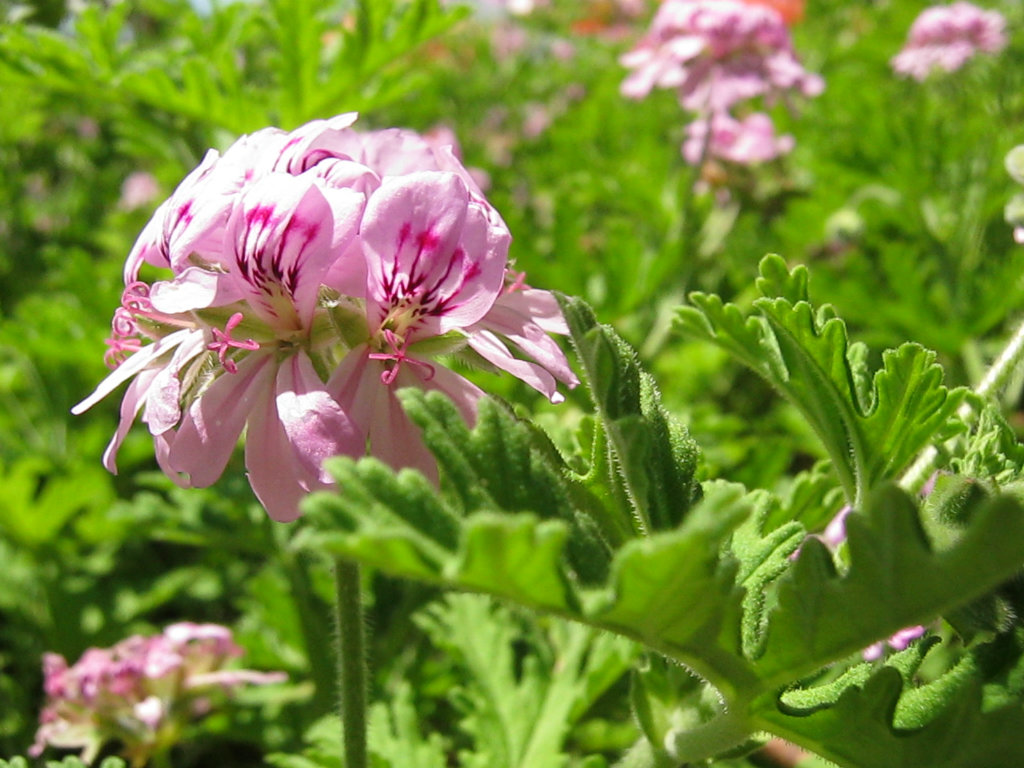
(141, 692)
(312, 274)
(945, 37)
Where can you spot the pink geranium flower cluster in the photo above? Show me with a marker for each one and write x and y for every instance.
(312, 274)
(141, 692)
(719, 55)
(945, 37)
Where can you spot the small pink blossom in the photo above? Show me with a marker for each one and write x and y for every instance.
(715, 54)
(945, 37)
(139, 693)
(748, 141)
(899, 641)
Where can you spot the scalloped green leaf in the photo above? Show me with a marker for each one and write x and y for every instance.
(501, 464)
(515, 554)
(805, 354)
(864, 726)
(896, 579)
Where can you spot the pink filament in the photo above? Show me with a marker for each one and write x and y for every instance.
(223, 343)
(397, 354)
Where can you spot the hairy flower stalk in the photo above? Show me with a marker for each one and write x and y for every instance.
(311, 275)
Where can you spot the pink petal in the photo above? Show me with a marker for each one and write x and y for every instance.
(270, 460)
(530, 338)
(209, 430)
(427, 244)
(147, 248)
(194, 288)
(490, 348)
(538, 305)
(131, 404)
(315, 424)
(464, 393)
(133, 365)
(163, 400)
(282, 233)
(393, 439)
(315, 141)
(198, 210)
(338, 173)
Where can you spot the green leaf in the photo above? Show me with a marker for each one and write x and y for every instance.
(870, 431)
(652, 456)
(524, 688)
(506, 464)
(396, 738)
(896, 579)
(881, 718)
(674, 593)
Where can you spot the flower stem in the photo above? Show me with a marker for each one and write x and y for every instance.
(1011, 356)
(351, 662)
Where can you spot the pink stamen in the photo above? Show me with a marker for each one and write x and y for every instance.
(124, 338)
(119, 351)
(135, 298)
(518, 281)
(223, 343)
(397, 354)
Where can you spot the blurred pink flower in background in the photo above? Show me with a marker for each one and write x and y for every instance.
(719, 56)
(140, 693)
(745, 142)
(311, 274)
(138, 190)
(945, 37)
(716, 53)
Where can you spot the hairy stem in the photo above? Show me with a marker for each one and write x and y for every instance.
(352, 672)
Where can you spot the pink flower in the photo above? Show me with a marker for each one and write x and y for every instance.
(266, 276)
(437, 261)
(716, 53)
(745, 142)
(946, 37)
(899, 641)
(311, 274)
(141, 692)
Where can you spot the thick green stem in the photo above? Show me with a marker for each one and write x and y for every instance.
(351, 662)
